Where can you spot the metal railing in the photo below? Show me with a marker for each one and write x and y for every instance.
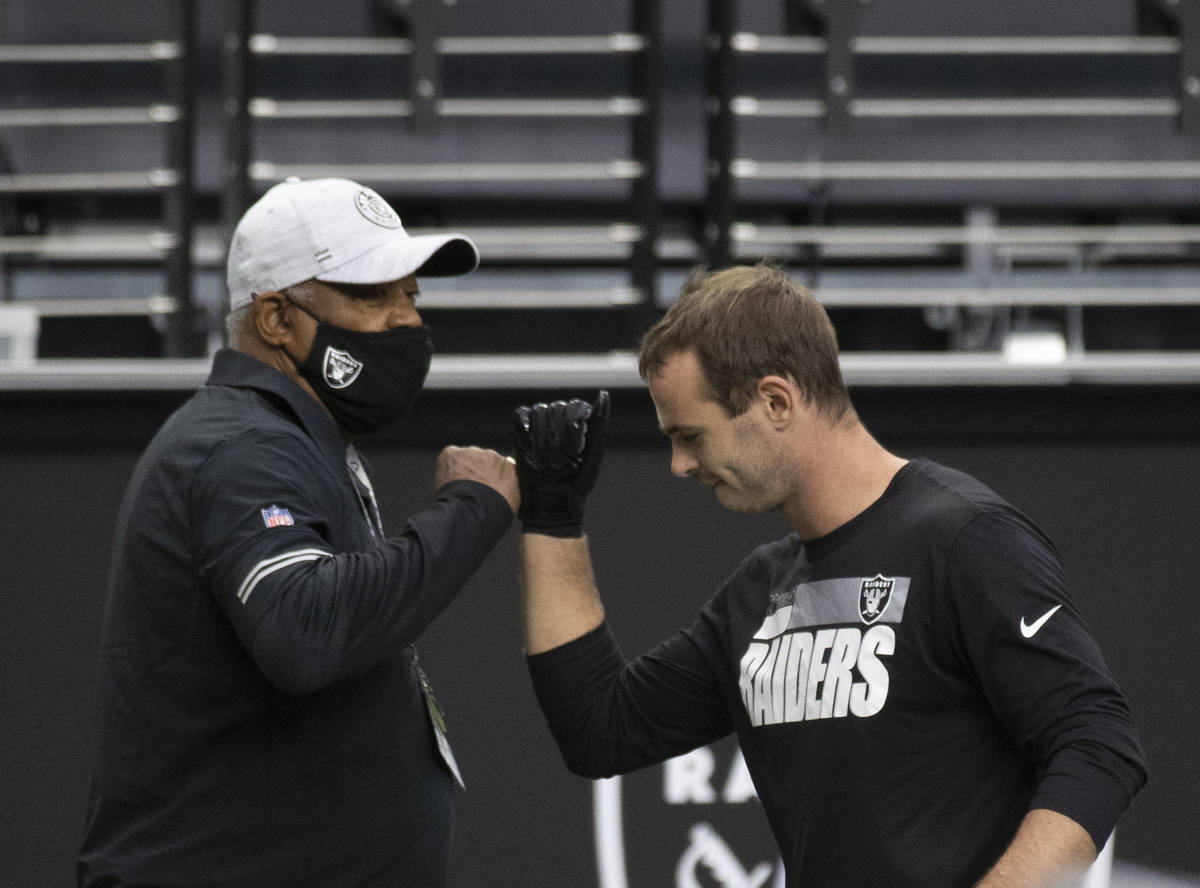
(637, 240)
(171, 242)
(426, 106)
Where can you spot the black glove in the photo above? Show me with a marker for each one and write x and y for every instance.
(558, 447)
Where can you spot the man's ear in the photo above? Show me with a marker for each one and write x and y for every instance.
(779, 398)
(273, 318)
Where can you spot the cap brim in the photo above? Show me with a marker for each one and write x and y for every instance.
(452, 255)
(430, 255)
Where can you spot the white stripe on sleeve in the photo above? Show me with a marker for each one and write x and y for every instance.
(264, 569)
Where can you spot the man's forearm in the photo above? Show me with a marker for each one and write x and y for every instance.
(1048, 850)
(561, 602)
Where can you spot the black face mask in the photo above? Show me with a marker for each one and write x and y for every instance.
(366, 380)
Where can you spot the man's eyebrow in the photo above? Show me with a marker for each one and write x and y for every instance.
(360, 292)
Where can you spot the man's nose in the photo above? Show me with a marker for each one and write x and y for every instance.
(682, 462)
(404, 316)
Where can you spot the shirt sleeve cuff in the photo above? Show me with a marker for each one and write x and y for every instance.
(560, 673)
(492, 500)
(1092, 794)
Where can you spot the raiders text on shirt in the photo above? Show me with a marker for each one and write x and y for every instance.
(818, 652)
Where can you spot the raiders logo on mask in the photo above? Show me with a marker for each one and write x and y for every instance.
(340, 369)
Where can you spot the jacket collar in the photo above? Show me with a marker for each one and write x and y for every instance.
(238, 370)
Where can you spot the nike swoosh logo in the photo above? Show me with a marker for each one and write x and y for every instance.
(1031, 629)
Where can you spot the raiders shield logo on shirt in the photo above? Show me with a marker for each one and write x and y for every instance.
(873, 598)
(340, 368)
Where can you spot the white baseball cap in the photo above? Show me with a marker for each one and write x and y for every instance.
(333, 230)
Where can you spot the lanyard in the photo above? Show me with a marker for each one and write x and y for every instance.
(366, 493)
(370, 510)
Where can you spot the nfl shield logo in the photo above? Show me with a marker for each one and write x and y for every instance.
(340, 368)
(873, 598)
(277, 517)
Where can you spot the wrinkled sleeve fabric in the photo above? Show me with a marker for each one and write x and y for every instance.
(1047, 683)
(310, 614)
(611, 717)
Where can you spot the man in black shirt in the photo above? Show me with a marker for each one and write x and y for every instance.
(263, 719)
(917, 698)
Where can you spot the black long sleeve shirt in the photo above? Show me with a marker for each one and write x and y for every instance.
(904, 690)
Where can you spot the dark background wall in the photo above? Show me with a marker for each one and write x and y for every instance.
(1114, 477)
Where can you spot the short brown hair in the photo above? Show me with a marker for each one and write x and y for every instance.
(747, 322)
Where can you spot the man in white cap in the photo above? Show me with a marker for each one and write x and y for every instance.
(263, 720)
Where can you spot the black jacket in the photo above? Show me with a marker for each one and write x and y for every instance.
(261, 715)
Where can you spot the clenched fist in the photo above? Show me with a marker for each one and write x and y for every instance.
(478, 464)
(558, 446)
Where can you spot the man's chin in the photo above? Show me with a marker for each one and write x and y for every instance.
(742, 502)
(743, 505)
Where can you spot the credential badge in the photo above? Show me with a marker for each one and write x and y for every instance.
(874, 595)
(340, 368)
